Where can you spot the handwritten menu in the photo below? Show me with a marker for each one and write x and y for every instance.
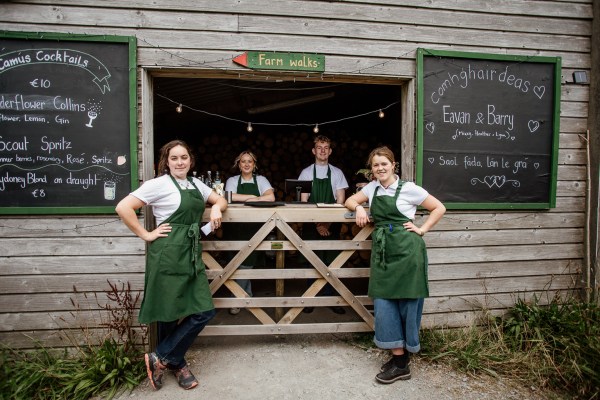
(488, 129)
(65, 124)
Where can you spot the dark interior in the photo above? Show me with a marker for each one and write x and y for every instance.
(215, 115)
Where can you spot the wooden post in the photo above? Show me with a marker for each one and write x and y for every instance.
(594, 146)
(279, 283)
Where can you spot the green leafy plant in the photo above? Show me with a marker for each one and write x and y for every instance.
(553, 345)
(366, 172)
(104, 368)
(564, 339)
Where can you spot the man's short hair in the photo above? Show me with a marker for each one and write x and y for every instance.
(322, 138)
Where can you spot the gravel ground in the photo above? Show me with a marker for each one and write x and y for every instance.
(320, 367)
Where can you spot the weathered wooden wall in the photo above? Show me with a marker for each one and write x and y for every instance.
(477, 258)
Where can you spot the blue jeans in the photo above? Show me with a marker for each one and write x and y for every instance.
(174, 339)
(246, 284)
(397, 323)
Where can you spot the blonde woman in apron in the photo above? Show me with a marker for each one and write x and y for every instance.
(176, 291)
(398, 277)
(247, 186)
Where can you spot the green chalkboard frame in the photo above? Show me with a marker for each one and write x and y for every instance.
(131, 41)
(555, 61)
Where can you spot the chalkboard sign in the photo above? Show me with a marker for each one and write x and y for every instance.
(67, 122)
(488, 129)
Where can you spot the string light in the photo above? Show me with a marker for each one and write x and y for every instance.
(381, 114)
(179, 108)
(249, 127)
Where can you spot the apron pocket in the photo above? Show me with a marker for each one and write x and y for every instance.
(175, 259)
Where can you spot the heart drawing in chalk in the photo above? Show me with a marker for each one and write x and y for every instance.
(539, 91)
(536, 165)
(533, 125)
(500, 180)
(431, 160)
(495, 180)
(490, 180)
(430, 127)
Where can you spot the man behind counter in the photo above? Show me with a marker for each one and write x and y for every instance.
(328, 186)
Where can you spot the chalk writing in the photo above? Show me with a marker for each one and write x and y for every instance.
(483, 132)
(470, 73)
(58, 146)
(69, 57)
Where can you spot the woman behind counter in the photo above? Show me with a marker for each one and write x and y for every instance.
(247, 186)
(398, 278)
(176, 287)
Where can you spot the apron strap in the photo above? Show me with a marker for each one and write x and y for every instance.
(379, 236)
(194, 233)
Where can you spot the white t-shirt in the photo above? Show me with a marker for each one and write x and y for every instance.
(162, 194)
(338, 180)
(409, 198)
(263, 184)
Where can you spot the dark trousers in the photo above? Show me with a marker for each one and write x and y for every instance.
(175, 338)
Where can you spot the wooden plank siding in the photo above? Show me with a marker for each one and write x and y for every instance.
(478, 259)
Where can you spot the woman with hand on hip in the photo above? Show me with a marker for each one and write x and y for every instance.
(247, 187)
(176, 291)
(398, 277)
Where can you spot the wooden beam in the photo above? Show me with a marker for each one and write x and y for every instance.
(317, 285)
(216, 330)
(233, 265)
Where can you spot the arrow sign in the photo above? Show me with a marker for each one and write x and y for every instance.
(281, 61)
(242, 59)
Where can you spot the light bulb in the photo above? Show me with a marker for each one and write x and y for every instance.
(316, 128)
(249, 127)
(179, 108)
(381, 114)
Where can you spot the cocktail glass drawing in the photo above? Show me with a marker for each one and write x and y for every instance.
(93, 115)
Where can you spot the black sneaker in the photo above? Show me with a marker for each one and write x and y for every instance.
(185, 378)
(338, 309)
(393, 374)
(390, 363)
(155, 370)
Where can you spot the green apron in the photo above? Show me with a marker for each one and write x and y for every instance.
(245, 231)
(321, 188)
(322, 193)
(175, 283)
(398, 256)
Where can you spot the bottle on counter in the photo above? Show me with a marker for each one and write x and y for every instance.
(218, 186)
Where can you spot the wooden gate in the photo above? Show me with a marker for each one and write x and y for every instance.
(287, 308)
